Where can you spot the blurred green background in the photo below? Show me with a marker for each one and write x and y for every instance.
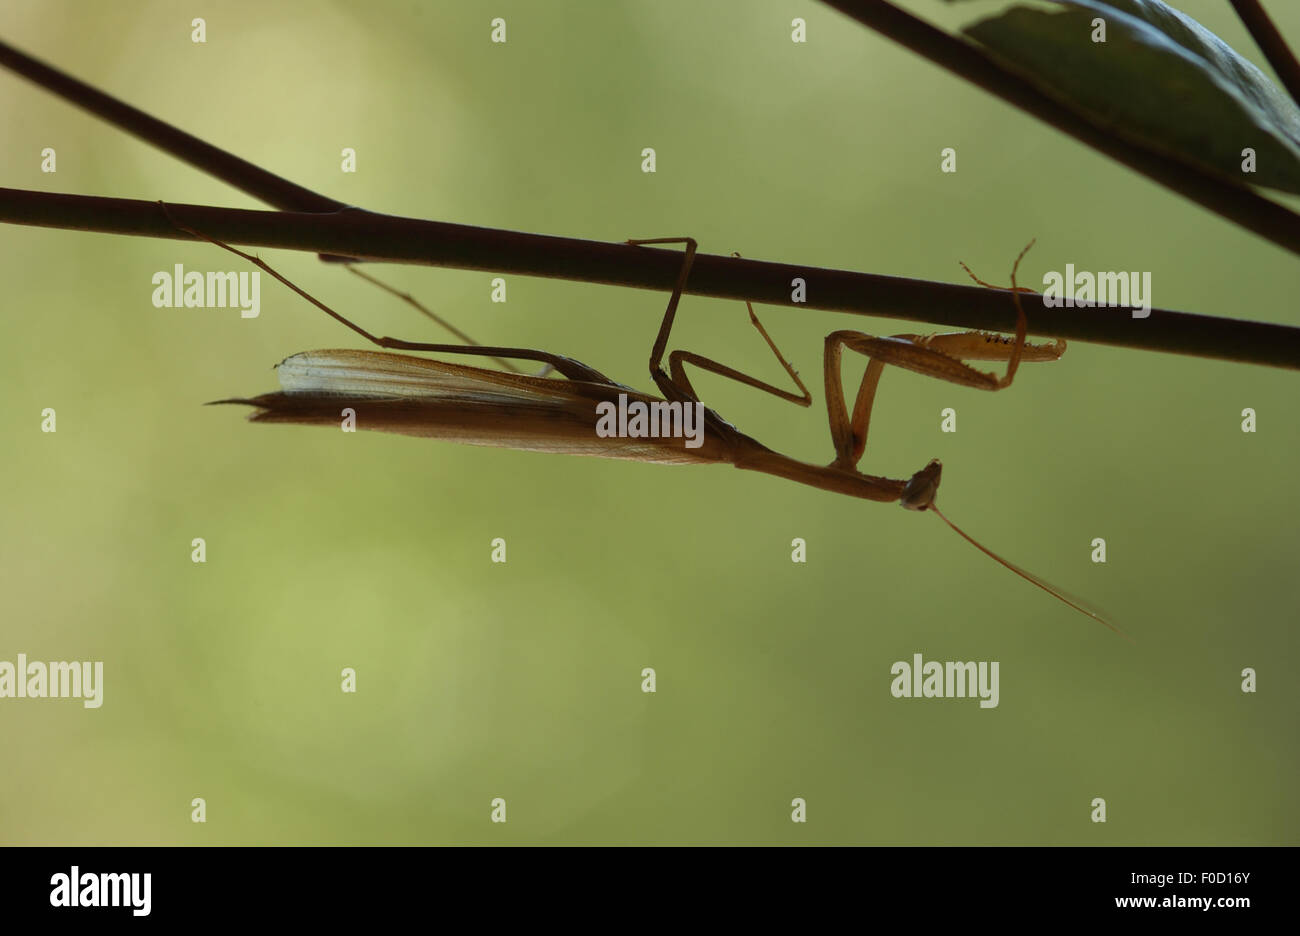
(523, 680)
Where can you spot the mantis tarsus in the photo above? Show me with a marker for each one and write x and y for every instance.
(434, 399)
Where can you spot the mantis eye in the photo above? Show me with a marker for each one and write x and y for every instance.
(919, 492)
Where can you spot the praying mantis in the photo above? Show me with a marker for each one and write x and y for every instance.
(423, 397)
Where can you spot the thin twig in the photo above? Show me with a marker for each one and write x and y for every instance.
(1271, 43)
(253, 180)
(379, 237)
(1235, 202)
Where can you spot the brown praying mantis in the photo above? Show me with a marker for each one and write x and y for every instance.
(422, 397)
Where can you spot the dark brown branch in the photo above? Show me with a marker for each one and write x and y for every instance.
(1235, 202)
(1271, 43)
(366, 235)
(379, 237)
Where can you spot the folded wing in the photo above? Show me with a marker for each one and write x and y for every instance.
(414, 396)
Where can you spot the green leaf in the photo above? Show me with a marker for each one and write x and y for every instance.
(1160, 79)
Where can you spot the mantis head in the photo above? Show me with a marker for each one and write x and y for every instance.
(919, 492)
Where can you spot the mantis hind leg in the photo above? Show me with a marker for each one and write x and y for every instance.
(574, 370)
(425, 310)
(675, 384)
